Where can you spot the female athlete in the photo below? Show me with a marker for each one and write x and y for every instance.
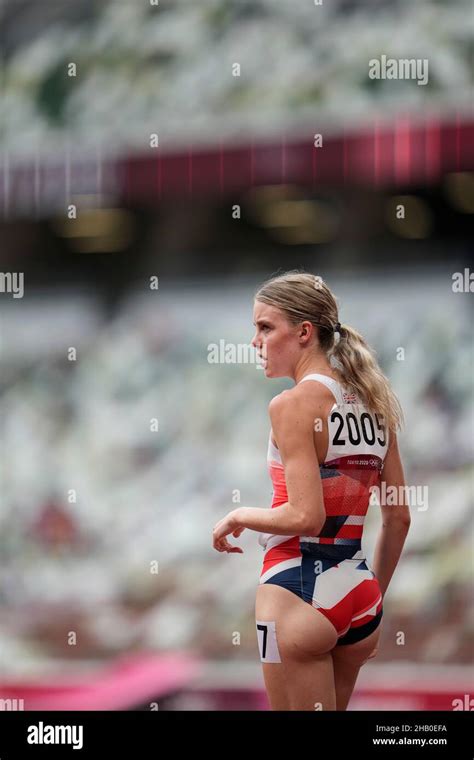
(332, 443)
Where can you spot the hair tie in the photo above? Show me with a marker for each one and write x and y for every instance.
(337, 327)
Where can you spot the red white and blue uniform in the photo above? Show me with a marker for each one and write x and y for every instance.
(329, 571)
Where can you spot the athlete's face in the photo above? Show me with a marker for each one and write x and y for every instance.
(275, 339)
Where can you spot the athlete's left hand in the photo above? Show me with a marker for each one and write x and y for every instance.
(228, 525)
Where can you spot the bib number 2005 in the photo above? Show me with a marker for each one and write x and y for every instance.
(357, 430)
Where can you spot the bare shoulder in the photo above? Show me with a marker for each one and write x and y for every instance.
(291, 422)
(281, 406)
(299, 403)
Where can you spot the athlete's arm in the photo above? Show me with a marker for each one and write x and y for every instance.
(395, 518)
(303, 513)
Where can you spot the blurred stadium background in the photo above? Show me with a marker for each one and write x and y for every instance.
(233, 189)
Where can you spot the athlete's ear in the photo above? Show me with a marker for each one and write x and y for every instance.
(306, 330)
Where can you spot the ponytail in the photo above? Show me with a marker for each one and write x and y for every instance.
(359, 369)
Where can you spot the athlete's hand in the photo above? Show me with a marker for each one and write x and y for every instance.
(228, 525)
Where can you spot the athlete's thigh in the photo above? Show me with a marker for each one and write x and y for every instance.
(297, 628)
(354, 655)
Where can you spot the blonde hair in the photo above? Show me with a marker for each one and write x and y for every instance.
(303, 296)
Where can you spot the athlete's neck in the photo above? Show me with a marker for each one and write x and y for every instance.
(320, 368)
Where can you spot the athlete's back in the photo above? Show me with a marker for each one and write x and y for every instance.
(356, 442)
